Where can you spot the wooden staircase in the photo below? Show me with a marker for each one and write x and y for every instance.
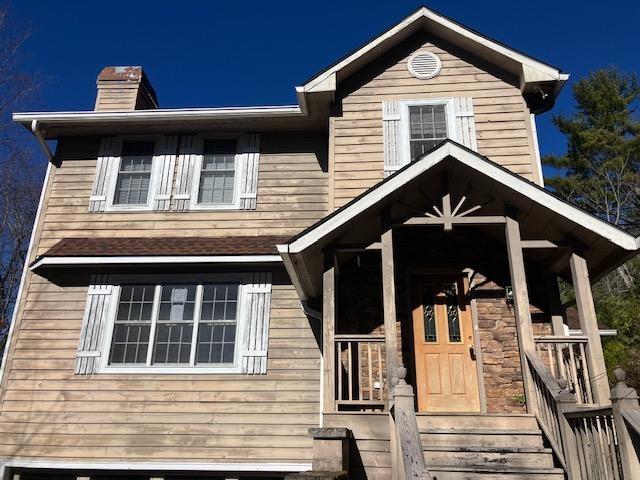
(485, 447)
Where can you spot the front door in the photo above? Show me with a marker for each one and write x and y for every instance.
(446, 375)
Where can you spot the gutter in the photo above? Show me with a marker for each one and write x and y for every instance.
(41, 140)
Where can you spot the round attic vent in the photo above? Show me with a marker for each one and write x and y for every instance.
(424, 65)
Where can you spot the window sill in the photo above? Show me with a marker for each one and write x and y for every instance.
(172, 370)
(205, 206)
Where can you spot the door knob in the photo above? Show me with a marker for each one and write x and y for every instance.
(472, 352)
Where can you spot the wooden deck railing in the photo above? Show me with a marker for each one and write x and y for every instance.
(596, 440)
(566, 358)
(591, 442)
(360, 374)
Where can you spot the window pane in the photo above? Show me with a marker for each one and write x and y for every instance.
(175, 324)
(217, 329)
(453, 314)
(427, 128)
(429, 315)
(134, 175)
(217, 177)
(133, 324)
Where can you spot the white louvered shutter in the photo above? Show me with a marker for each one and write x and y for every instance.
(256, 334)
(107, 157)
(391, 136)
(190, 148)
(249, 157)
(164, 162)
(465, 122)
(96, 314)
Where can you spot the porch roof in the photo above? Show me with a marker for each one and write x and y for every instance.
(475, 181)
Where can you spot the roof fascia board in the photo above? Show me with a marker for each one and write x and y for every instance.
(535, 70)
(157, 115)
(474, 161)
(149, 260)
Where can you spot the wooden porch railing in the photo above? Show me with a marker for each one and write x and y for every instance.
(596, 440)
(566, 358)
(591, 442)
(360, 374)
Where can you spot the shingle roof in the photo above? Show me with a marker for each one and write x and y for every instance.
(166, 246)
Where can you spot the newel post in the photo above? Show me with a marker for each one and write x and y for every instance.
(625, 398)
(520, 300)
(589, 325)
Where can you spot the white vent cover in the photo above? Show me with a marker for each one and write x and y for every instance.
(424, 65)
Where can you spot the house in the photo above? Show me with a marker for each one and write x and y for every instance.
(365, 282)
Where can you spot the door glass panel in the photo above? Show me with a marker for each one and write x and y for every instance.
(453, 314)
(429, 315)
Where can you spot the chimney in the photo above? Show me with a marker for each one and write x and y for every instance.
(123, 89)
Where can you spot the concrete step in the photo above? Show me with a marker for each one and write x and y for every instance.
(481, 437)
(494, 473)
(489, 456)
(467, 421)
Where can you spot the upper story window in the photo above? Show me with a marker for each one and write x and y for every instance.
(427, 128)
(425, 123)
(179, 325)
(134, 173)
(217, 173)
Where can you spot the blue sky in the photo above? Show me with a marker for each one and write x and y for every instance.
(206, 53)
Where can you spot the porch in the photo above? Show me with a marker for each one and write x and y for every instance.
(439, 297)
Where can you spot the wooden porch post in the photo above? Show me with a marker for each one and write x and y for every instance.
(589, 325)
(389, 300)
(328, 332)
(520, 300)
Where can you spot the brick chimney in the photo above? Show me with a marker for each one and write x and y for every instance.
(124, 88)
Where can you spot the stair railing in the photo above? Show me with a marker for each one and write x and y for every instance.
(591, 442)
(405, 436)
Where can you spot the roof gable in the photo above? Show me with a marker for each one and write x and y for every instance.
(533, 74)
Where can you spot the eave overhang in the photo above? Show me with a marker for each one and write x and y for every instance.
(608, 245)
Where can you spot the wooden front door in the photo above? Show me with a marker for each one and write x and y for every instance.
(446, 375)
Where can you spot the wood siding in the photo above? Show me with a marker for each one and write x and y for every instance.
(292, 194)
(48, 413)
(502, 118)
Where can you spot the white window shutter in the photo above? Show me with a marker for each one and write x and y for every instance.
(164, 163)
(391, 120)
(249, 158)
(107, 156)
(96, 314)
(190, 148)
(256, 333)
(465, 122)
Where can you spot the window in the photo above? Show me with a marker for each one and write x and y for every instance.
(427, 128)
(175, 325)
(134, 173)
(217, 176)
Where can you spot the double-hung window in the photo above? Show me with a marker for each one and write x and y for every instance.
(426, 124)
(176, 325)
(133, 182)
(216, 175)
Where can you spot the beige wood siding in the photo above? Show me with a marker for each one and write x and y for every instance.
(292, 194)
(501, 115)
(48, 413)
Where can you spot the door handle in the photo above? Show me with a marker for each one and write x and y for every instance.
(472, 352)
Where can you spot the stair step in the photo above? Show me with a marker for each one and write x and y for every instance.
(447, 472)
(481, 437)
(466, 421)
(486, 456)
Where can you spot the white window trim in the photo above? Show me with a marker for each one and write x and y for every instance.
(112, 177)
(405, 150)
(242, 322)
(197, 172)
